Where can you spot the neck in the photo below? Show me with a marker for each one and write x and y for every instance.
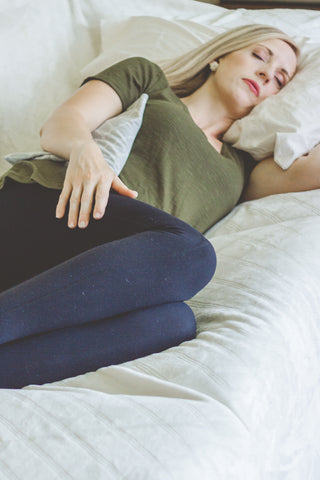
(207, 110)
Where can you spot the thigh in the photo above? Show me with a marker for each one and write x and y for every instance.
(158, 259)
(33, 240)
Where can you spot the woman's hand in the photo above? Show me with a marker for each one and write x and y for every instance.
(87, 185)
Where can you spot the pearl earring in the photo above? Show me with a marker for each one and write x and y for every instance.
(214, 66)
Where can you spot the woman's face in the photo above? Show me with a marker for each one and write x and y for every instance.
(248, 76)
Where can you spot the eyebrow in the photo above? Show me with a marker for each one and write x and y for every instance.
(283, 70)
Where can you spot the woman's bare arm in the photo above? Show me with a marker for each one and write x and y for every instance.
(267, 178)
(78, 116)
(67, 134)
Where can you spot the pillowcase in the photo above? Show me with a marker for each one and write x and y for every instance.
(115, 136)
(160, 38)
(42, 50)
(285, 125)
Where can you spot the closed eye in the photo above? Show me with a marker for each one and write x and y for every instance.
(257, 56)
(280, 81)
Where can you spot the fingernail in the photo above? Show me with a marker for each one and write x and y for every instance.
(97, 215)
(82, 224)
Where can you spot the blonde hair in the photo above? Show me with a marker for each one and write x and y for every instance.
(188, 72)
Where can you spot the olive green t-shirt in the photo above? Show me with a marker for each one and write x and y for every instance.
(171, 164)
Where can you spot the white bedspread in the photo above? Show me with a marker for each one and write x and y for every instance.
(239, 402)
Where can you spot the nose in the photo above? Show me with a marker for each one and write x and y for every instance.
(264, 75)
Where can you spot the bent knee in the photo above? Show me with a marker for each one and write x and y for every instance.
(203, 265)
(199, 262)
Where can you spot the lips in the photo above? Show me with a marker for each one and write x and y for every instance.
(254, 87)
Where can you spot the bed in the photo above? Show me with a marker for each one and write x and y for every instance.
(241, 400)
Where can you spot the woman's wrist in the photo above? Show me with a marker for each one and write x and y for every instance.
(63, 132)
(80, 144)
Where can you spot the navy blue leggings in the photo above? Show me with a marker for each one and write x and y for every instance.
(73, 301)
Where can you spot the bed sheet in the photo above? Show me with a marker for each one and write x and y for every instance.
(242, 400)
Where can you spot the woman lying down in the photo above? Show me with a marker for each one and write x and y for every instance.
(95, 277)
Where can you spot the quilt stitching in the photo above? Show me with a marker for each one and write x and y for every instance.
(7, 471)
(62, 427)
(34, 447)
(125, 434)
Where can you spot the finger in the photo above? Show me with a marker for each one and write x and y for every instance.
(74, 205)
(101, 199)
(63, 200)
(121, 188)
(86, 205)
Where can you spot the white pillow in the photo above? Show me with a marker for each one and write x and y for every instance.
(115, 136)
(125, 38)
(286, 125)
(42, 50)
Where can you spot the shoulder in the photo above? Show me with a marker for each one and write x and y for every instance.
(138, 68)
(132, 77)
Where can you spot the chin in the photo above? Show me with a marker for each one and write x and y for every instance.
(249, 110)
(241, 104)
(242, 112)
